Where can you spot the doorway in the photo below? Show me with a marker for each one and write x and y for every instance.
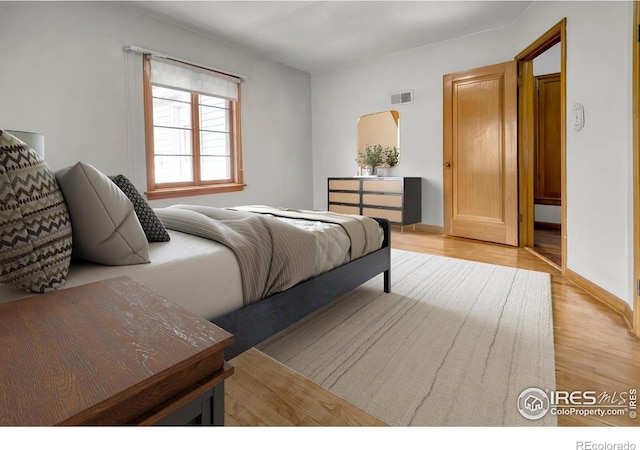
(547, 183)
(469, 179)
(541, 144)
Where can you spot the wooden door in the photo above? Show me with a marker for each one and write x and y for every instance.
(480, 154)
(547, 181)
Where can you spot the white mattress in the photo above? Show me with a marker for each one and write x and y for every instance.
(200, 275)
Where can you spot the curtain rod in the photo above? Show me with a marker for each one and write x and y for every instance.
(136, 49)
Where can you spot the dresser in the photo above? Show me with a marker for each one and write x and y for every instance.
(397, 199)
(109, 353)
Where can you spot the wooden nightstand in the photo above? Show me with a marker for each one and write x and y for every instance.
(109, 353)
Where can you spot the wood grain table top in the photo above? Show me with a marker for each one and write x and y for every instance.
(110, 352)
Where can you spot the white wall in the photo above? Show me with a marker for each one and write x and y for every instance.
(547, 62)
(341, 96)
(62, 73)
(599, 157)
(599, 177)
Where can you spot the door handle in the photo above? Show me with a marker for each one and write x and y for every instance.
(447, 164)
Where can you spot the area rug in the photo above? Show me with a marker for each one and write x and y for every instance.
(454, 344)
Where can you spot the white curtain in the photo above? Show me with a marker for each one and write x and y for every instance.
(176, 75)
(134, 107)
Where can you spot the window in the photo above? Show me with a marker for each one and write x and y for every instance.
(192, 125)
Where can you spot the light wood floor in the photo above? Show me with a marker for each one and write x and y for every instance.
(548, 243)
(593, 351)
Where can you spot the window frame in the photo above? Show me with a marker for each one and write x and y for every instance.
(157, 191)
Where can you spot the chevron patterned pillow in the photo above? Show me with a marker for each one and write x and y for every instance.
(35, 228)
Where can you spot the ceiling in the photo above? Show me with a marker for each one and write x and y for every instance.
(316, 36)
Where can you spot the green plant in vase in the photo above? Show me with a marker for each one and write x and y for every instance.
(377, 156)
(391, 156)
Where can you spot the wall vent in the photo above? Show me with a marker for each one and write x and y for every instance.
(402, 97)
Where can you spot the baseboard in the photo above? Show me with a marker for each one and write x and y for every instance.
(424, 228)
(420, 228)
(547, 225)
(604, 296)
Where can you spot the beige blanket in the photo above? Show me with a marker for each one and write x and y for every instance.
(364, 232)
(272, 255)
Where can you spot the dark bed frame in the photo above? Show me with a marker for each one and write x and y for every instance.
(257, 321)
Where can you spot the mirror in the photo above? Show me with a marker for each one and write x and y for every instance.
(382, 128)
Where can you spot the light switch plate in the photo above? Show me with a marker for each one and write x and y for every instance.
(577, 116)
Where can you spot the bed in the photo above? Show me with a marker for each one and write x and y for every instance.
(104, 222)
(190, 270)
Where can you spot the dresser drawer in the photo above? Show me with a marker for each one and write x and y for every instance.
(396, 199)
(389, 214)
(345, 209)
(392, 201)
(344, 197)
(344, 185)
(382, 185)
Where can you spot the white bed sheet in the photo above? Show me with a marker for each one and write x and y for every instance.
(200, 275)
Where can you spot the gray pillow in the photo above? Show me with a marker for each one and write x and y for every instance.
(35, 230)
(105, 227)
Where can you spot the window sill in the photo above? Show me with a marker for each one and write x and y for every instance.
(189, 191)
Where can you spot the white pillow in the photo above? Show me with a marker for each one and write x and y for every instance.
(105, 227)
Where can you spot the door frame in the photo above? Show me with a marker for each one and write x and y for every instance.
(526, 130)
(636, 166)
